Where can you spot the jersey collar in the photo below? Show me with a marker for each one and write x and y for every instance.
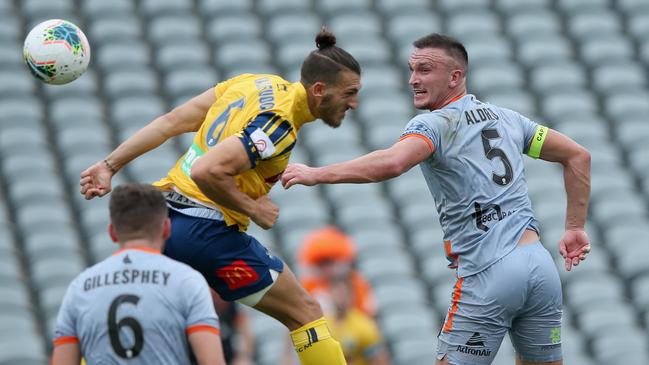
(301, 106)
(143, 249)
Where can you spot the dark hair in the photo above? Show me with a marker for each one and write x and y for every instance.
(325, 63)
(452, 46)
(137, 211)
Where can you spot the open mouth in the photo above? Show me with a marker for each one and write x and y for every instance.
(419, 92)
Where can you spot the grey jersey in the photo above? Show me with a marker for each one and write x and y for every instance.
(136, 307)
(476, 177)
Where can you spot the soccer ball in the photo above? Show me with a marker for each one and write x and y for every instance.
(56, 52)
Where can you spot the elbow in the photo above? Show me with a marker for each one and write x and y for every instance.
(393, 167)
(581, 158)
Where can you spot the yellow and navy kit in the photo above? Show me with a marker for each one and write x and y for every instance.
(265, 112)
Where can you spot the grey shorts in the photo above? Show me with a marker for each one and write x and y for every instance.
(519, 294)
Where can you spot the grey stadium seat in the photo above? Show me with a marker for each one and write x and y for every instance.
(544, 49)
(212, 8)
(333, 7)
(459, 6)
(394, 7)
(355, 25)
(151, 8)
(100, 9)
(579, 6)
(132, 81)
(583, 26)
(191, 82)
(467, 25)
(12, 83)
(187, 54)
(512, 7)
(489, 50)
(175, 28)
(132, 112)
(619, 77)
(404, 28)
(110, 29)
(86, 85)
(530, 24)
(235, 53)
(121, 55)
(606, 50)
(227, 28)
(548, 79)
(501, 76)
(270, 8)
(286, 28)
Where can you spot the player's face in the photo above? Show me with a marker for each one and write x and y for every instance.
(431, 75)
(338, 98)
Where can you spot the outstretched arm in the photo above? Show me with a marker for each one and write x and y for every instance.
(575, 160)
(188, 117)
(374, 167)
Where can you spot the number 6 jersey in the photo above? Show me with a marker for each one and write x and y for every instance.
(476, 176)
(136, 307)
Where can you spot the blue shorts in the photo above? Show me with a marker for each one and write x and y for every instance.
(234, 263)
(519, 294)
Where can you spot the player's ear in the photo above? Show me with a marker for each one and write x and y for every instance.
(166, 229)
(112, 232)
(318, 88)
(456, 78)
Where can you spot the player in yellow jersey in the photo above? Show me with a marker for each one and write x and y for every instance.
(246, 128)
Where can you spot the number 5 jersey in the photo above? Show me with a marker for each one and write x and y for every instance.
(476, 176)
(135, 307)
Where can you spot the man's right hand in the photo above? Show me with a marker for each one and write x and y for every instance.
(574, 246)
(96, 180)
(266, 212)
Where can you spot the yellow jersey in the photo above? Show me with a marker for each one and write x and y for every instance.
(359, 336)
(265, 112)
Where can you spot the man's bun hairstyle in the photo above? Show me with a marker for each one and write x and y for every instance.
(326, 62)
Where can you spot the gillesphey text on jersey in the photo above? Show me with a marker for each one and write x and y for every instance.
(476, 176)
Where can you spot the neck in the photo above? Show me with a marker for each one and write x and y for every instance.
(135, 243)
(452, 96)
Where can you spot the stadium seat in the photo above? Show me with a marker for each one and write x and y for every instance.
(467, 25)
(541, 49)
(489, 50)
(151, 8)
(235, 53)
(114, 28)
(512, 7)
(192, 82)
(232, 27)
(211, 8)
(12, 83)
(609, 79)
(403, 28)
(287, 28)
(394, 7)
(515, 99)
(121, 55)
(580, 6)
(84, 86)
(529, 24)
(496, 77)
(460, 6)
(97, 10)
(132, 81)
(355, 25)
(174, 28)
(603, 50)
(182, 55)
(591, 289)
(133, 112)
(333, 7)
(555, 77)
(370, 50)
(584, 26)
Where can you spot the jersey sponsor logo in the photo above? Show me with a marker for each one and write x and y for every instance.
(487, 214)
(237, 275)
(475, 346)
(266, 95)
(263, 144)
(479, 115)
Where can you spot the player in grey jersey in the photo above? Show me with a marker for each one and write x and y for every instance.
(138, 306)
(470, 153)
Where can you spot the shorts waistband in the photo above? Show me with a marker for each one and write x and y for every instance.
(182, 204)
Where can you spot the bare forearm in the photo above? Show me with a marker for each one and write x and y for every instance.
(576, 175)
(373, 167)
(222, 189)
(151, 136)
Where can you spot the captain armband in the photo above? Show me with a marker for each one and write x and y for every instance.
(537, 141)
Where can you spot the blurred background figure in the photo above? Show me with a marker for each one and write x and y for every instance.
(327, 254)
(357, 332)
(236, 335)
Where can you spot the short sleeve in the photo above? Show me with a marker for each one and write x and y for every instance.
(529, 129)
(422, 128)
(65, 328)
(267, 135)
(200, 308)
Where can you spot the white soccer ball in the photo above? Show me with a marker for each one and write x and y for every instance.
(56, 51)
